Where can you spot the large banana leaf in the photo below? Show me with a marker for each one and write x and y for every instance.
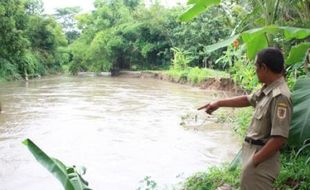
(255, 40)
(260, 41)
(69, 177)
(300, 125)
(295, 33)
(298, 54)
(198, 6)
(221, 44)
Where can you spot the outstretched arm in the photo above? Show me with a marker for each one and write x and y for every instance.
(239, 101)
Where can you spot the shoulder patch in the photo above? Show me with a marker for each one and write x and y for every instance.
(276, 92)
(281, 112)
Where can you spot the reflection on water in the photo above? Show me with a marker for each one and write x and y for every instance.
(121, 129)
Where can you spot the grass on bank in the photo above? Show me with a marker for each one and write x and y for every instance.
(294, 175)
(215, 177)
(195, 75)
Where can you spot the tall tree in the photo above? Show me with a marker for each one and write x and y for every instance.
(66, 17)
(13, 44)
(34, 7)
(29, 41)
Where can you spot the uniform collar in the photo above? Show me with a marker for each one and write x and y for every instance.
(268, 88)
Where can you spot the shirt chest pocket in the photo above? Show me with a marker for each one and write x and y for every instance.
(261, 108)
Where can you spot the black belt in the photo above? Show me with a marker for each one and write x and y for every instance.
(255, 142)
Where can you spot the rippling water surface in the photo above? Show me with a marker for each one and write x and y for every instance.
(120, 129)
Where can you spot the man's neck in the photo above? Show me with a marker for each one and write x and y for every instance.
(273, 78)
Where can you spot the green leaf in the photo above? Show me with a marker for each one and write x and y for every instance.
(189, 2)
(236, 161)
(198, 7)
(295, 33)
(254, 44)
(68, 176)
(298, 53)
(300, 124)
(192, 12)
(302, 149)
(256, 39)
(221, 44)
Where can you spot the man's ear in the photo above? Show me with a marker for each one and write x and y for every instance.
(264, 67)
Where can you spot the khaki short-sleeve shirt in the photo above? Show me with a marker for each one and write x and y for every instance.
(273, 110)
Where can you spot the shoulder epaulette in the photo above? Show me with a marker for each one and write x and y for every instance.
(276, 92)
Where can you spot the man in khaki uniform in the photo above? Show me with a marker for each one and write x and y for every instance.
(269, 128)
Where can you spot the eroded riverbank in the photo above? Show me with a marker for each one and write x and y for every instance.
(220, 83)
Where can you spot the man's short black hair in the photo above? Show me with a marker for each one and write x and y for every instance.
(272, 58)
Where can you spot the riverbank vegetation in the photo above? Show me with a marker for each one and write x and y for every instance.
(31, 43)
(180, 70)
(129, 35)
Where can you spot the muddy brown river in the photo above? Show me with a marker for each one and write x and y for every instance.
(120, 129)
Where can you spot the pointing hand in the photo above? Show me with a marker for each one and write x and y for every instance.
(210, 107)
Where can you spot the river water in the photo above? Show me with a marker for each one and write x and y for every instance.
(120, 129)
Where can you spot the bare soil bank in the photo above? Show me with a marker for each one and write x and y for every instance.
(223, 84)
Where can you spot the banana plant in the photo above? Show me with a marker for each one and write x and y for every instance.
(197, 7)
(300, 125)
(70, 177)
(258, 38)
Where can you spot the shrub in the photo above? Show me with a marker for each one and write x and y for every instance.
(244, 75)
(8, 71)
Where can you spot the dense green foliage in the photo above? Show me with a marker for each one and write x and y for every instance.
(118, 35)
(66, 17)
(180, 71)
(262, 24)
(29, 42)
(126, 34)
(122, 35)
